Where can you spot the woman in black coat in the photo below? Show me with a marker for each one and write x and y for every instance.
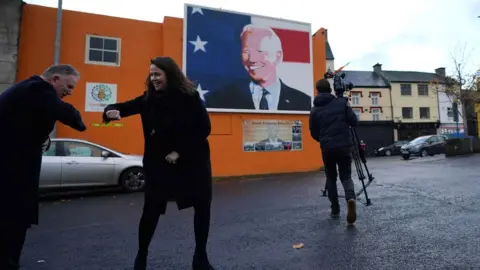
(176, 154)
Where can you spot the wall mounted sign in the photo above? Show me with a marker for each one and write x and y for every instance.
(111, 124)
(272, 135)
(99, 95)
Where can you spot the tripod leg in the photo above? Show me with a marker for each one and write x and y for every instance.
(367, 200)
(370, 176)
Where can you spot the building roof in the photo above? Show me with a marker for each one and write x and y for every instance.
(378, 78)
(368, 79)
(328, 51)
(410, 76)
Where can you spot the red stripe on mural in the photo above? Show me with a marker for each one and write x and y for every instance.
(295, 44)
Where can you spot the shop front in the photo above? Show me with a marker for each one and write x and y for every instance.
(452, 130)
(410, 131)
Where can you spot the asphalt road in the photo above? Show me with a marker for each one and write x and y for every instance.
(425, 215)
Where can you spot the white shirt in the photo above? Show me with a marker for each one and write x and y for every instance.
(272, 97)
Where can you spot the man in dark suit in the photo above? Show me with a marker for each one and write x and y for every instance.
(28, 112)
(262, 53)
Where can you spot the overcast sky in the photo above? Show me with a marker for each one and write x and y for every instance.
(402, 35)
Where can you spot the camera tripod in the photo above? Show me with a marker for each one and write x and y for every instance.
(360, 162)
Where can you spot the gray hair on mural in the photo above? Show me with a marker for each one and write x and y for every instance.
(274, 42)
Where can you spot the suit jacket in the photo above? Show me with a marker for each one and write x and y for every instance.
(28, 112)
(238, 96)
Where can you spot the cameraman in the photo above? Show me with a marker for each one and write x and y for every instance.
(330, 122)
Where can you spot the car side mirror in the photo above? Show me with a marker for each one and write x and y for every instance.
(105, 154)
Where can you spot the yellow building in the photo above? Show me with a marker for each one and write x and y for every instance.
(414, 101)
(394, 105)
(370, 99)
(371, 102)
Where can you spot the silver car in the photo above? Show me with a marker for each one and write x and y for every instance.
(73, 163)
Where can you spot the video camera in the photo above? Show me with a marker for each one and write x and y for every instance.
(340, 85)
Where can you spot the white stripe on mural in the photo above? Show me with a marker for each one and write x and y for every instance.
(280, 24)
(304, 83)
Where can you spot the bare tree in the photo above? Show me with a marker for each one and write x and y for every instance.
(461, 85)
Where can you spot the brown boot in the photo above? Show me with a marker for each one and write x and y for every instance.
(351, 211)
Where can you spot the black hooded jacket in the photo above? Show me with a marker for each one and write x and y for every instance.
(330, 121)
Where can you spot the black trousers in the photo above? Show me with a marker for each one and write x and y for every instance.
(343, 158)
(152, 210)
(12, 238)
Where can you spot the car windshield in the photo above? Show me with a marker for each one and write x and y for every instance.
(420, 139)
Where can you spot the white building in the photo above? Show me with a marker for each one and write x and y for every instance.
(447, 124)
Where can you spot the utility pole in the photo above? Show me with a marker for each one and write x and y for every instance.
(58, 39)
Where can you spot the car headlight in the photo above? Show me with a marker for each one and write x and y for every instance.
(380, 149)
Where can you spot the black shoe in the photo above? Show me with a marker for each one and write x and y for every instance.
(200, 262)
(335, 213)
(140, 262)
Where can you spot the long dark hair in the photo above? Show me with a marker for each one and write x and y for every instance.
(176, 80)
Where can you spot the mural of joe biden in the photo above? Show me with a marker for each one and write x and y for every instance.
(261, 54)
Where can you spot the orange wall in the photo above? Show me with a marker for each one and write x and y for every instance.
(140, 42)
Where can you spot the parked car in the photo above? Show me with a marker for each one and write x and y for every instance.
(424, 146)
(73, 163)
(390, 150)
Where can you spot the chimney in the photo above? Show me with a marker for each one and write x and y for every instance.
(326, 35)
(440, 71)
(377, 68)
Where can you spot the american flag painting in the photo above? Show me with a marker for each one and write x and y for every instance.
(248, 63)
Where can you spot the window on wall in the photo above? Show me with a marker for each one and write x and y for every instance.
(449, 112)
(375, 114)
(406, 89)
(355, 98)
(374, 97)
(422, 89)
(357, 113)
(102, 50)
(424, 113)
(407, 112)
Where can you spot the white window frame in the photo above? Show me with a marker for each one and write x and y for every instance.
(357, 112)
(375, 114)
(355, 95)
(374, 97)
(118, 51)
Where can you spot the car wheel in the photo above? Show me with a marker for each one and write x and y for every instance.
(132, 180)
(388, 153)
(406, 157)
(424, 153)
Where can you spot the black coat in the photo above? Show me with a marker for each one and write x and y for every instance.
(28, 112)
(330, 122)
(173, 121)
